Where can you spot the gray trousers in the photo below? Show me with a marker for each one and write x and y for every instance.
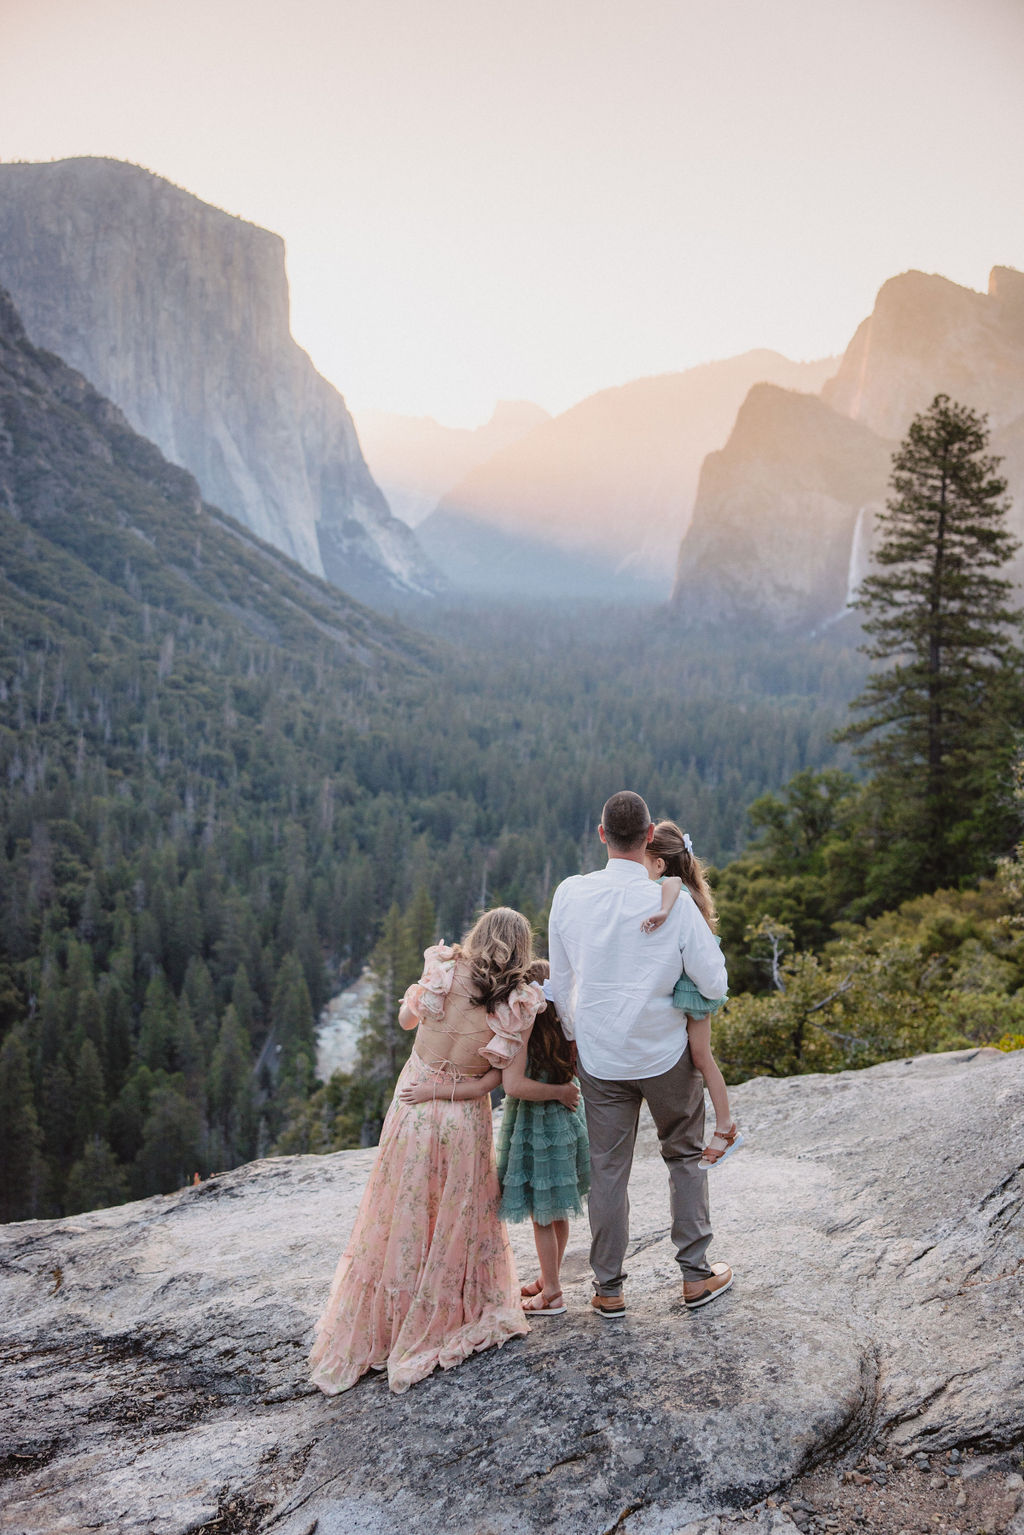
(676, 1102)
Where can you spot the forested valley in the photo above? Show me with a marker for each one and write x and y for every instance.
(224, 786)
(220, 780)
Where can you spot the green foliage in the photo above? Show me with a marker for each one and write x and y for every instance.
(20, 1135)
(941, 972)
(800, 873)
(97, 1180)
(224, 787)
(937, 726)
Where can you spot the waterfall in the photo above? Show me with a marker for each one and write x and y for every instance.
(856, 570)
(858, 556)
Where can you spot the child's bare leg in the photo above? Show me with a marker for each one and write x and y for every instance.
(562, 1234)
(546, 1239)
(699, 1034)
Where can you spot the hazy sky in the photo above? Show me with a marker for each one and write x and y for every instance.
(538, 198)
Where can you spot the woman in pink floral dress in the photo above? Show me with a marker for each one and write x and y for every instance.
(428, 1276)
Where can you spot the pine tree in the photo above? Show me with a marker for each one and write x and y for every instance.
(422, 922)
(157, 1025)
(96, 1181)
(20, 1135)
(395, 963)
(292, 1012)
(90, 1097)
(230, 1095)
(936, 727)
(170, 1154)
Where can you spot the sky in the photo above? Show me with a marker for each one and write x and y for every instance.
(536, 199)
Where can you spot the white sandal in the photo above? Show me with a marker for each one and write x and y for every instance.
(712, 1157)
(556, 1308)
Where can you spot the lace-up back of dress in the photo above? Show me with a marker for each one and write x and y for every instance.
(454, 1039)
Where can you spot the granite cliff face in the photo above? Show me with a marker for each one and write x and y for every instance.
(784, 520)
(178, 313)
(784, 515)
(928, 336)
(155, 1354)
(596, 499)
(98, 530)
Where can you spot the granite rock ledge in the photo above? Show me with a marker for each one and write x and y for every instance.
(154, 1355)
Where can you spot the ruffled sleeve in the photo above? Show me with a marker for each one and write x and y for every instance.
(510, 1020)
(427, 996)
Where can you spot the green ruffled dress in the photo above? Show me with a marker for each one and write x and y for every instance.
(543, 1160)
(689, 1000)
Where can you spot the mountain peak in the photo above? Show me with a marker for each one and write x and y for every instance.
(928, 335)
(515, 415)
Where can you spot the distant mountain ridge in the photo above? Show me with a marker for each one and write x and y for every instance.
(414, 459)
(595, 500)
(178, 312)
(785, 514)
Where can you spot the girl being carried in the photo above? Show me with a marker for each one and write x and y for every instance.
(670, 861)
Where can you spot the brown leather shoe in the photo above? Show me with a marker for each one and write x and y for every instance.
(699, 1292)
(608, 1306)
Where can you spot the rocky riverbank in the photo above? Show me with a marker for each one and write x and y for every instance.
(155, 1354)
(341, 1023)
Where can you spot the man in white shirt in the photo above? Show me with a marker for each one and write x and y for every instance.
(612, 983)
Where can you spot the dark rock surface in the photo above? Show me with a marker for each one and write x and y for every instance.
(154, 1354)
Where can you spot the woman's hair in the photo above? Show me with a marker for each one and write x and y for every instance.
(548, 1050)
(668, 843)
(499, 948)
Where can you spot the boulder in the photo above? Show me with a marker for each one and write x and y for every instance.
(155, 1354)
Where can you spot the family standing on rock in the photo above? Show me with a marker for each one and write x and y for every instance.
(428, 1276)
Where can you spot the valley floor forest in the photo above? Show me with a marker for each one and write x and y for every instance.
(224, 788)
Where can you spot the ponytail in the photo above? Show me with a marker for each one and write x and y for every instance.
(673, 844)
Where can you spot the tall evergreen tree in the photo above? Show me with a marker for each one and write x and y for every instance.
(230, 1096)
(90, 1096)
(170, 1152)
(292, 1012)
(936, 725)
(384, 1047)
(96, 1181)
(20, 1135)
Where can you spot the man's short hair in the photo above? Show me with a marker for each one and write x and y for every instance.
(625, 819)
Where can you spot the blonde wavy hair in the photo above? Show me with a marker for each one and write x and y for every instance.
(499, 948)
(669, 843)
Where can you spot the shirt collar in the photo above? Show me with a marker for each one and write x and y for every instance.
(625, 869)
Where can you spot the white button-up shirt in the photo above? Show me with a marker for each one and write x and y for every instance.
(612, 982)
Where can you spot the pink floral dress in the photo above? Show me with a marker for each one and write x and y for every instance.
(428, 1276)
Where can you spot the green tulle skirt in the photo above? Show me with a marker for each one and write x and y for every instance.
(543, 1161)
(689, 1000)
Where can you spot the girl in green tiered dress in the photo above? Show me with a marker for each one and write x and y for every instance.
(543, 1151)
(670, 860)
